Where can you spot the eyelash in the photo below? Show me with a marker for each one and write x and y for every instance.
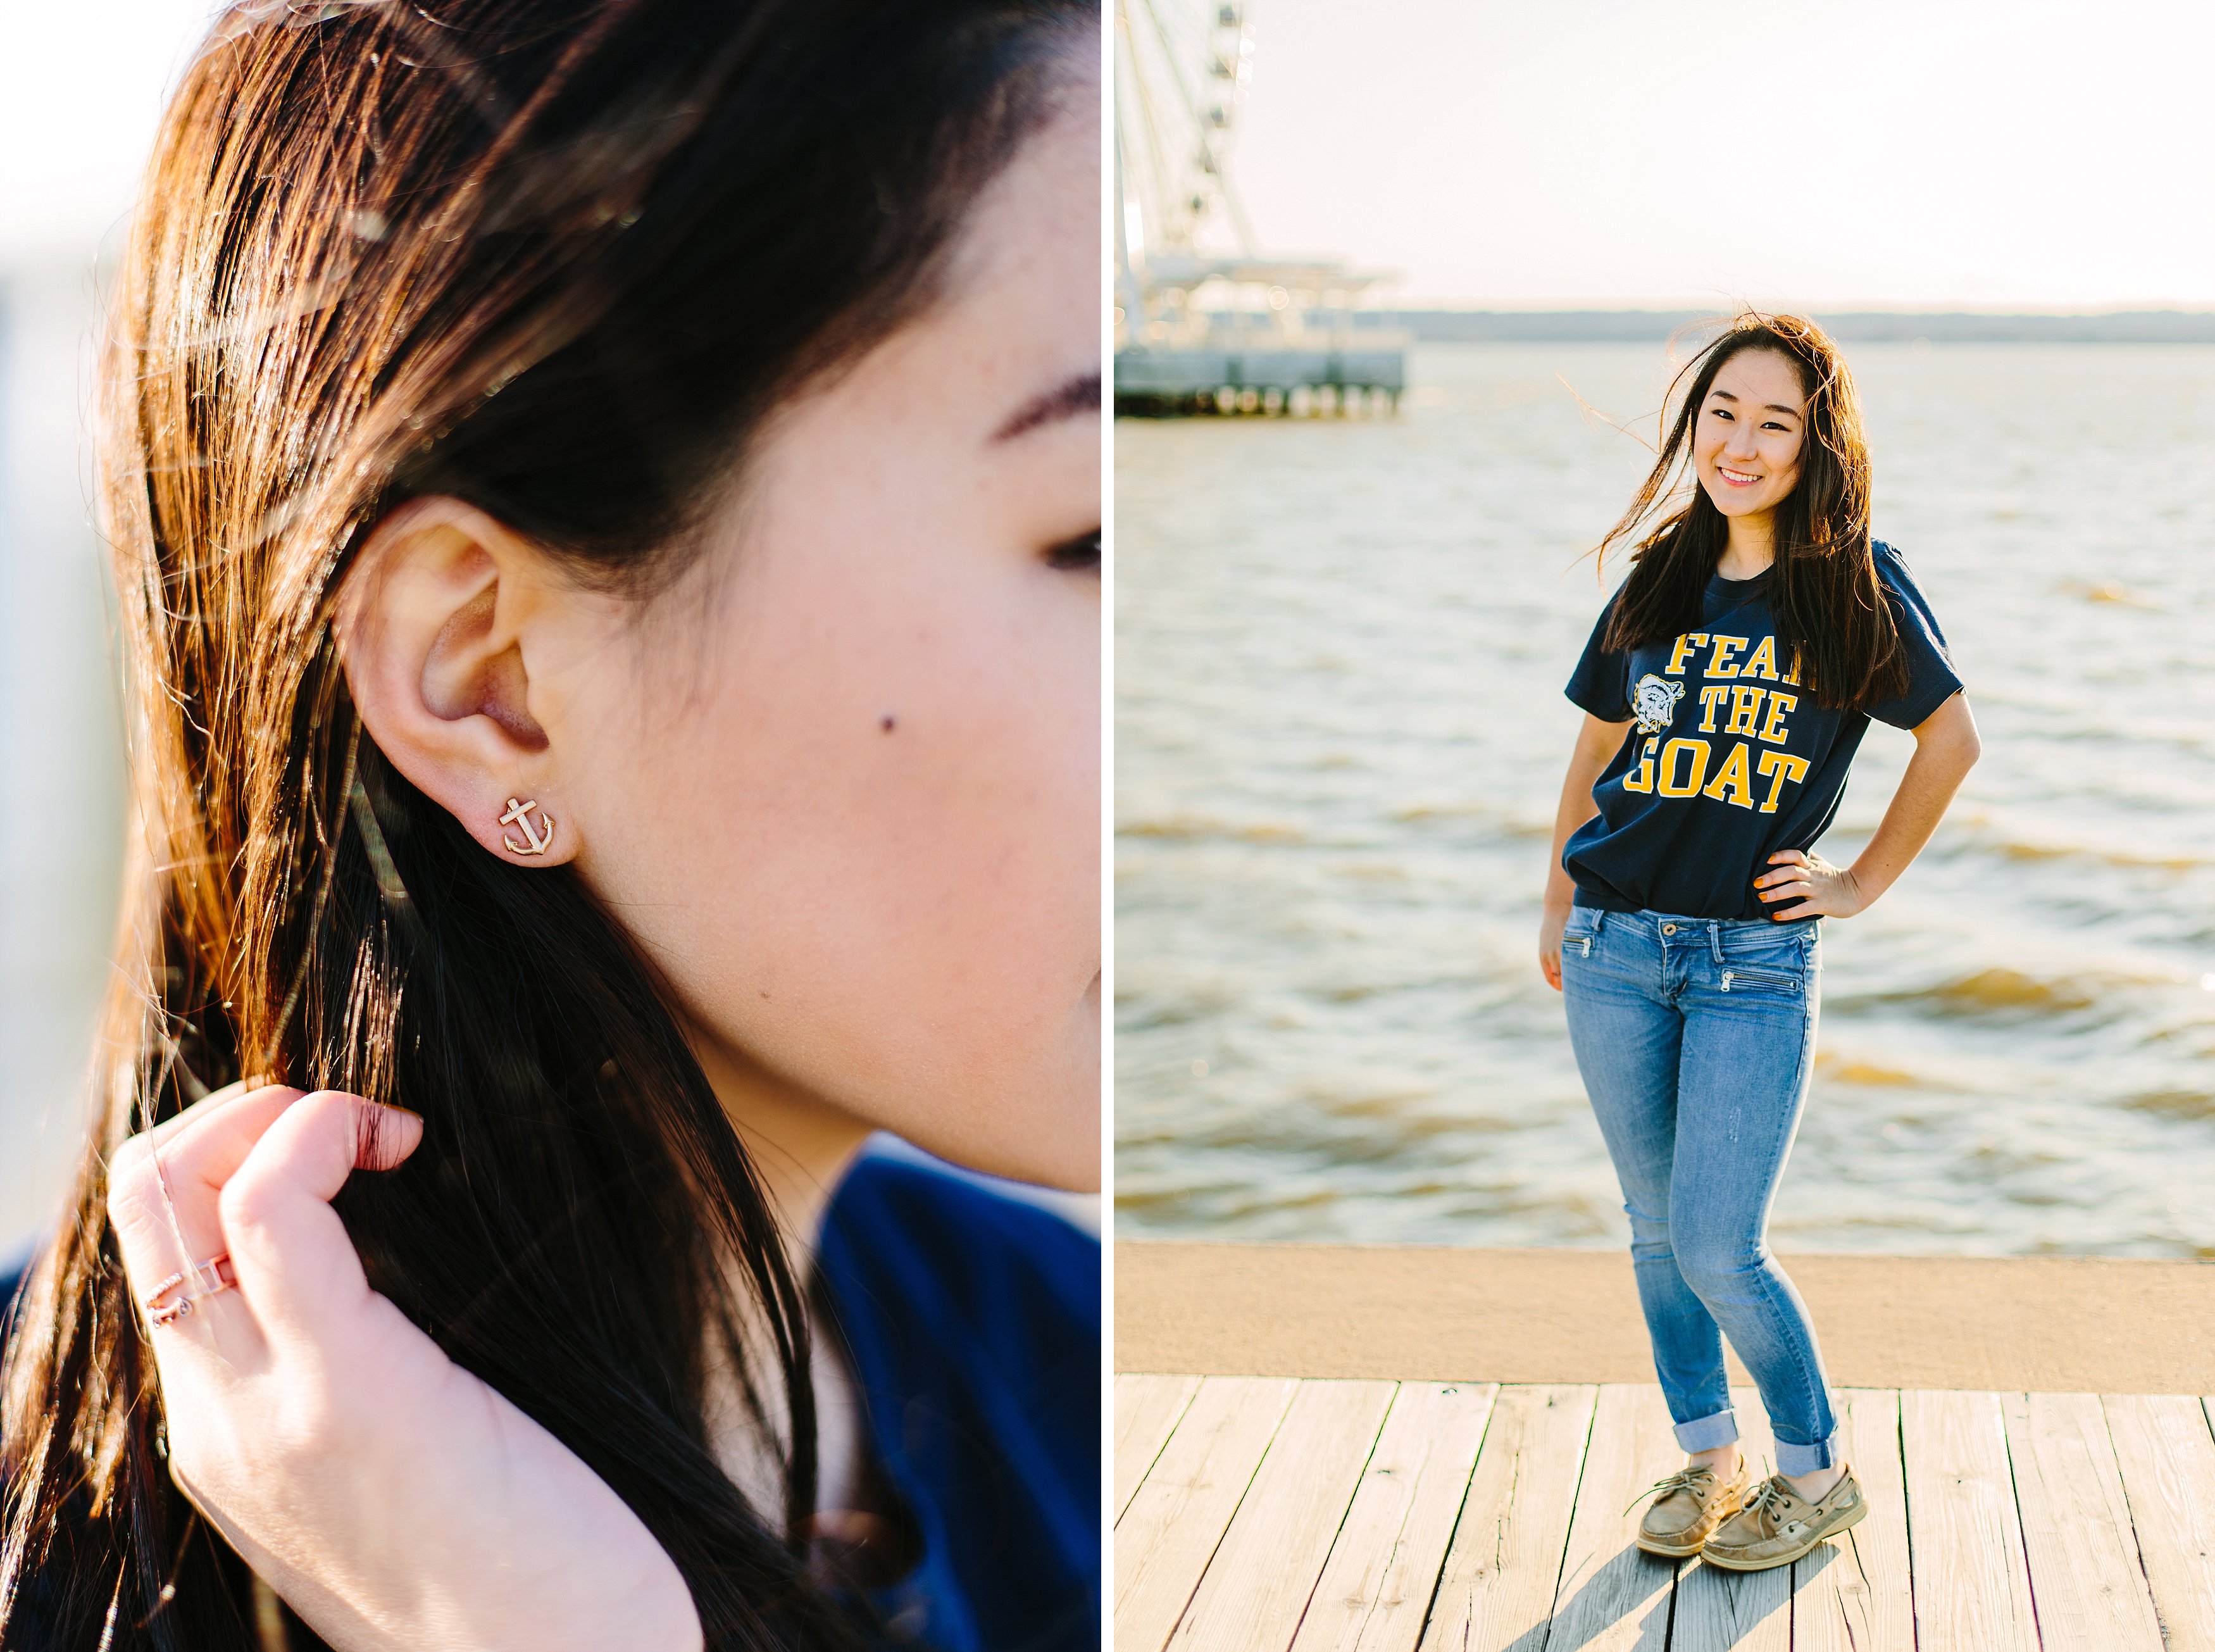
(1076, 555)
(1725, 413)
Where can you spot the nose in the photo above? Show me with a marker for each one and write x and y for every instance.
(1740, 444)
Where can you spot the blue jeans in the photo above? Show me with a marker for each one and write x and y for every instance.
(1695, 1036)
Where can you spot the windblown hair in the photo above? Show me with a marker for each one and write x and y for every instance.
(558, 259)
(1823, 589)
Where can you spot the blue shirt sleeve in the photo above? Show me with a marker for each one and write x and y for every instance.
(1931, 678)
(14, 1274)
(973, 1323)
(1601, 682)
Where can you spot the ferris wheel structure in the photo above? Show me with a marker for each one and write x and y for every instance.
(1206, 321)
(1182, 73)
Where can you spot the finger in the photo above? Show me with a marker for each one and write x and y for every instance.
(296, 1264)
(180, 1164)
(163, 1134)
(161, 1196)
(1792, 857)
(1806, 909)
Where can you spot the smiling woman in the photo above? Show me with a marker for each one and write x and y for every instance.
(606, 506)
(1726, 689)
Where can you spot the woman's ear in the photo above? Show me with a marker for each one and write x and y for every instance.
(436, 622)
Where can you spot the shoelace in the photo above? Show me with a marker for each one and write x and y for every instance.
(1768, 1496)
(1682, 1480)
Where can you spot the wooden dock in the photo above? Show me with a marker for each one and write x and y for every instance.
(1285, 1515)
(1442, 1449)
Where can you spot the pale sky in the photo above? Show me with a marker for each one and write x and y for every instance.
(1893, 153)
(1827, 153)
(81, 86)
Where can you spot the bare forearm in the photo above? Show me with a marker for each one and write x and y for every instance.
(1597, 745)
(1576, 807)
(1946, 748)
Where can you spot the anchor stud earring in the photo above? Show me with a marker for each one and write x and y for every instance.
(519, 815)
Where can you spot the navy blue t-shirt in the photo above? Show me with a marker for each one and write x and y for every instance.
(1729, 759)
(973, 1323)
(973, 1320)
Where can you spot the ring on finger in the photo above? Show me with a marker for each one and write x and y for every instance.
(173, 1298)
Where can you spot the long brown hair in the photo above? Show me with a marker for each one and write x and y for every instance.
(1823, 589)
(557, 258)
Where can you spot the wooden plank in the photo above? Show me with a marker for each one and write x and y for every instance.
(1147, 1408)
(2085, 1580)
(1254, 1592)
(1376, 1589)
(1505, 1562)
(1964, 1541)
(2168, 1464)
(1613, 1596)
(1718, 1611)
(1179, 1511)
(1852, 1594)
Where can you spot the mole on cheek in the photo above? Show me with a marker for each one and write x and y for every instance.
(885, 723)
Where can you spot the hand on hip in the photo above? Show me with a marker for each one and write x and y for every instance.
(1801, 884)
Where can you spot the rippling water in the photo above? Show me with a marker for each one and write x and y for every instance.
(1340, 736)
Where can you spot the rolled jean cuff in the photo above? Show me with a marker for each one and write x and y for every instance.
(1709, 1434)
(1806, 1460)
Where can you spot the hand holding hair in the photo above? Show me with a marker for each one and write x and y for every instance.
(392, 1499)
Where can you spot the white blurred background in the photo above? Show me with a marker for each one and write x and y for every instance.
(81, 87)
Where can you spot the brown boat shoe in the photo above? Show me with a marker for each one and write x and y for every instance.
(1687, 1506)
(1777, 1526)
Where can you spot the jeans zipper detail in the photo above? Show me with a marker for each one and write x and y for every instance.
(1776, 975)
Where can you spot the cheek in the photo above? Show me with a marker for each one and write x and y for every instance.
(868, 854)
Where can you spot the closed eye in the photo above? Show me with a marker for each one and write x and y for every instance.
(1079, 555)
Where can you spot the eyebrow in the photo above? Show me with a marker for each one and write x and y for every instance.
(1773, 407)
(1071, 399)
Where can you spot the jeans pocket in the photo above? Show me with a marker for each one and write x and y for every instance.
(1753, 978)
(1576, 945)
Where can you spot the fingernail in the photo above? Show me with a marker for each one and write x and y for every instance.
(395, 1107)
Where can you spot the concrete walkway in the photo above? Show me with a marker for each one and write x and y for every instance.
(2052, 1325)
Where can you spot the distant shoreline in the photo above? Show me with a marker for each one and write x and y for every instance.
(1603, 326)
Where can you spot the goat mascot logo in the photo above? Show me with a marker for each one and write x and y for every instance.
(1655, 702)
